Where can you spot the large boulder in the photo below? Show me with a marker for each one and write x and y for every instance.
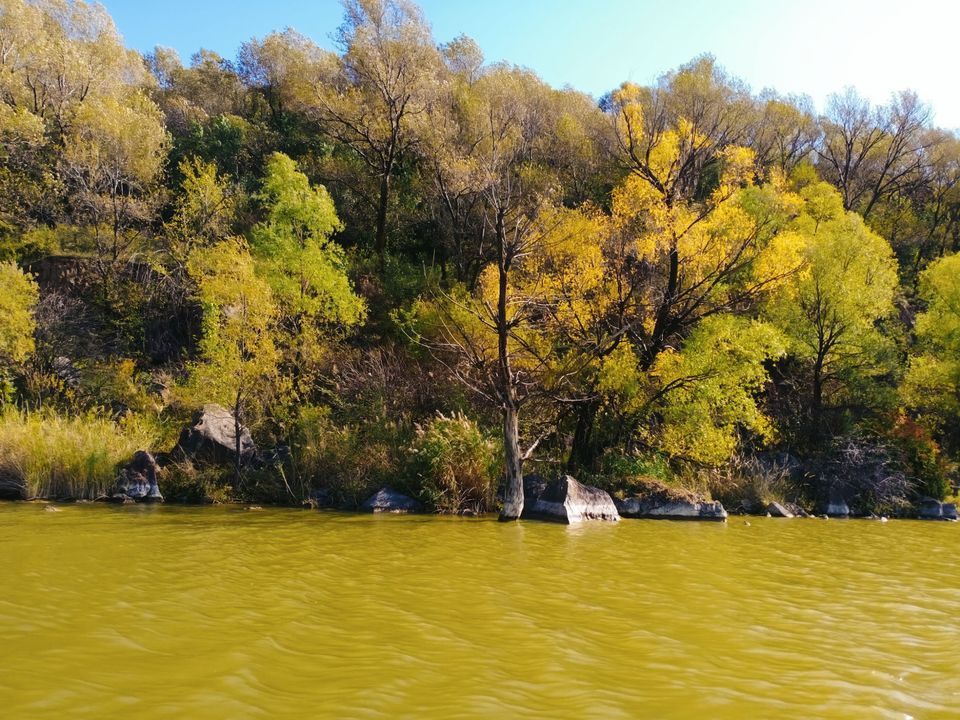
(931, 509)
(12, 486)
(138, 479)
(835, 505)
(390, 501)
(568, 501)
(211, 438)
(775, 509)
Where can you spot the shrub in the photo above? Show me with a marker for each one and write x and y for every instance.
(351, 461)
(868, 471)
(624, 474)
(922, 459)
(751, 482)
(43, 454)
(454, 464)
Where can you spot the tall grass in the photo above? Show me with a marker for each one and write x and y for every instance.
(46, 455)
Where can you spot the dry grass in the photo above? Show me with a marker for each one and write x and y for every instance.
(51, 456)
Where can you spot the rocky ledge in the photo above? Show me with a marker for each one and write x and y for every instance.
(655, 501)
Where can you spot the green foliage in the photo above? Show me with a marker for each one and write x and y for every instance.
(713, 384)
(932, 384)
(350, 461)
(832, 311)
(305, 269)
(238, 364)
(665, 279)
(18, 296)
(57, 456)
(453, 465)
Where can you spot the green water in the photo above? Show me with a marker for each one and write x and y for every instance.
(169, 612)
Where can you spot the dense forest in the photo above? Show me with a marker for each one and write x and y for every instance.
(397, 264)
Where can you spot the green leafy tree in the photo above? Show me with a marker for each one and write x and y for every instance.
(238, 364)
(932, 384)
(832, 310)
(18, 296)
(305, 269)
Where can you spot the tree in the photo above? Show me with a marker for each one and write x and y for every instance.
(204, 210)
(871, 154)
(306, 270)
(18, 297)
(113, 154)
(368, 98)
(831, 311)
(498, 159)
(932, 383)
(706, 393)
(783, 132)
(56, 55)
(238, 363)
(692, 235)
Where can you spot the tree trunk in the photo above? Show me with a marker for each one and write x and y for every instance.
(816, 404)
(583, 451)
(513, 489)
(236, 439)
(513, 492)
(381, 241)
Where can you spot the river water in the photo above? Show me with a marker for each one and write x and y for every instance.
(172, 612)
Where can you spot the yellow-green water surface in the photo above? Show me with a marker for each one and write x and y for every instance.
(169, 612)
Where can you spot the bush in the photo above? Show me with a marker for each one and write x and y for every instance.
(189, 483)
(47, 455)
(625, 474)
(752, 482)
(350, 461)
(454, 466)
(868, 471)
(922, 458)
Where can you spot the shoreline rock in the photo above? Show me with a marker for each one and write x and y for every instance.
(641, 508)
(775, 509)
(386, 500)
(138, 479)
(568, 501)
(211, 438)
(931, 509)
(655, 501)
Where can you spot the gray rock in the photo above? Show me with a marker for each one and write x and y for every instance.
(931, 509)
(838, 509)
(116, 499)
(775, 509)
(836, 505)
(12, 487)
(390, 501)
(138, 479)
(568, 501)
(319, 498)
(211, 438)
(675, 510)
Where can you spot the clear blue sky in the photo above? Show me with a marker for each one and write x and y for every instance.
(809, 46)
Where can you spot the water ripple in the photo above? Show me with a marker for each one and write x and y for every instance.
(169, 612)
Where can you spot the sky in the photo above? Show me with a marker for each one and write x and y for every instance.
(814, 47)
